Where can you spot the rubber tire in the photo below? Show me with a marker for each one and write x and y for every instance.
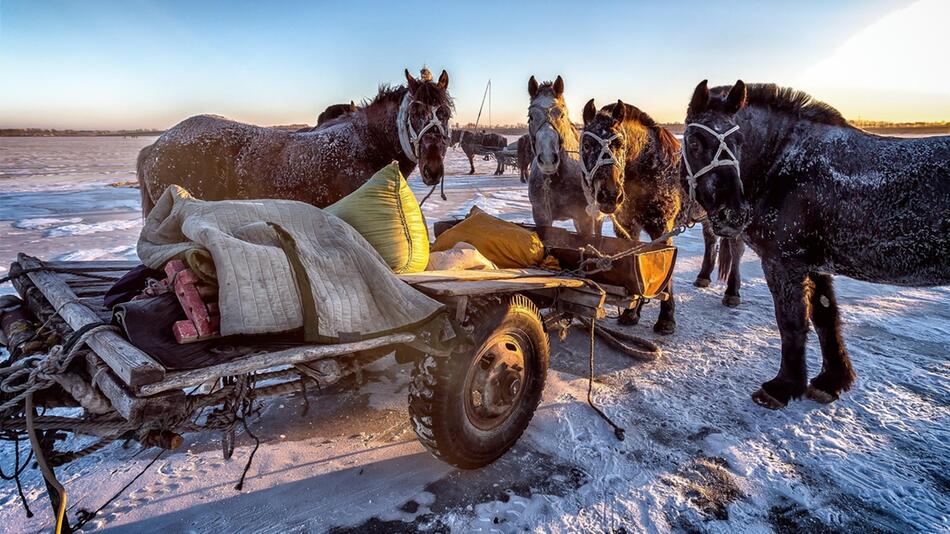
(436, 406)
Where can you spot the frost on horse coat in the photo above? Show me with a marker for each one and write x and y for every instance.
(818, 197)
(215, 158)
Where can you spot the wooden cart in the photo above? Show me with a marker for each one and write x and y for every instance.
(468, 408)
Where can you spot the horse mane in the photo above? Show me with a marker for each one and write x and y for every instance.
(669, 146)
(428, 93)
(784, 100)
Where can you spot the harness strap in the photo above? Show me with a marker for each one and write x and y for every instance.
(731, 161)
(408, 138)
(604, 157)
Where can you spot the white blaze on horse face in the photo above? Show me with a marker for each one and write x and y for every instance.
(542, 115)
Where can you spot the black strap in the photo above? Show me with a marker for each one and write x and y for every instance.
(311, 331)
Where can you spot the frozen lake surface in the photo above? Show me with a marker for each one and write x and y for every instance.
(699, 456)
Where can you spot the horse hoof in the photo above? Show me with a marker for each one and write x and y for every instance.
(664, 327)
(702, 282)
(764, 399)
(820, 396)
(628, 319)
(731, 301)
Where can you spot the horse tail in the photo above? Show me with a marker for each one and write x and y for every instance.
(726, 255)
(147, 203)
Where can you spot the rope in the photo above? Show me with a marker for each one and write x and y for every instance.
(429, 194)
(32, 374)
(618, 430)
(84, 516)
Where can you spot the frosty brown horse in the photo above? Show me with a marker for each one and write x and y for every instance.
(814, 196)
(215, 158)
(631, 167)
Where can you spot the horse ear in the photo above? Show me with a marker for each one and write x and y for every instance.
(532, 87)
(443, 80)
(620, 111)
(413, 84)
(700, 99)
(589, 111)
(738, 96)
(352, 105)
(559, 86)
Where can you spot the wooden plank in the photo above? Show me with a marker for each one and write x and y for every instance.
(95, 266)
(129, 363)
(259, 362)
(483, 287)
(486, 274)
(129, 406)
(582, 303)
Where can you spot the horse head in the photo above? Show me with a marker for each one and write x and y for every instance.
(603, 154)
(712, 148)
(548, 122)
(423, 123)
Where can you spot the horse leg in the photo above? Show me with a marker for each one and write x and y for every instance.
(630, 316)
(471, 161)
(836, 374)
(703, 279)
(737, 248)
(500, 168)
(666, 322)
(788, 288)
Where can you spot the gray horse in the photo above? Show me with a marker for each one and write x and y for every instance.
(554, 184)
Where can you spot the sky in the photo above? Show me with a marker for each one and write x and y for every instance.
(149, 64)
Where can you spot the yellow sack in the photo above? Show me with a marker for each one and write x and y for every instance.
(506, 244)
(385, 212)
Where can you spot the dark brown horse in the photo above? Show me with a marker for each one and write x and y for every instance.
(525, 155)
(814, 197)
(631, 171)
(479, 143)
(215, 158)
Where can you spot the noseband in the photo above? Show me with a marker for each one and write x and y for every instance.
(730, 161)
(604, 157)
(408, 138)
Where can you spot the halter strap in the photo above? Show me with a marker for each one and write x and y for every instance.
(604, 157)
(408, 138)
(730, 161)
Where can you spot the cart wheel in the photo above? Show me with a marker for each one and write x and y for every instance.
(469, 409)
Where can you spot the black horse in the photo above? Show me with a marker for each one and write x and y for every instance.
(814, 196)
(479, 143)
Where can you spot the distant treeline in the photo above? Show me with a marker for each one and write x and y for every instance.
(882, 127)
(43, 132)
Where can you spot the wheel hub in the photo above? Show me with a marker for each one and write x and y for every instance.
(495, 380)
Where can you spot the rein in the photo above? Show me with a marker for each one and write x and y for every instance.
(731, 161)
(408, 137)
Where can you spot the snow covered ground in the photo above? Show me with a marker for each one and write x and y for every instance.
(699, 456)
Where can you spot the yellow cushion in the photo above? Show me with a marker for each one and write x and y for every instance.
(385, 212)
(506, 244)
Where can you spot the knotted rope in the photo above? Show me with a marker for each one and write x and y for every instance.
(33, 373)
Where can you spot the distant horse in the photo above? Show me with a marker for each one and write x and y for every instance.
(814, 196)
(215, 158)
(332, 112)
(525, 155)
(554, 183)
(336, 110)
(475, 143)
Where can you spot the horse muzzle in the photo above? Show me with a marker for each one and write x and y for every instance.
(728, 222)
(432, 173)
